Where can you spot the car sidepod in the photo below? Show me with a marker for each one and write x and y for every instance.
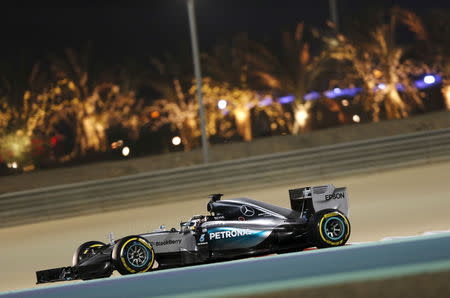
(173, 248)
(226, 237)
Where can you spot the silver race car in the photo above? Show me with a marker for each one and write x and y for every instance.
(235, 228)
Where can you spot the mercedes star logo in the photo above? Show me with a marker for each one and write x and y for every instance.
(247, 211)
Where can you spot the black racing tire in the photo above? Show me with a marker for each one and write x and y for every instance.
(86, 250)
(329, 228)
(133, 254)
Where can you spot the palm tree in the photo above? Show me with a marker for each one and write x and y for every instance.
(177, 105)
(293, 71)
(5, 114)
(19, 80)
(437, 46)
(88, 104)
(25, 102)
(36, 103)
(378, 60)
(72, 71)
(227, 67)
(239, 103)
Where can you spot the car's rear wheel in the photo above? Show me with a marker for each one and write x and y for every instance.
(133, 254)
(86, 250)
(330, 228)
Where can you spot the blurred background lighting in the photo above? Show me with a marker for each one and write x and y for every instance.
(286, 99)
(312, 95)
(176, 140)
(117, 144)
(345, 102)
(125, 151)
(429, 79)
(155, 114)
(241, 115)
(342, 92)
(222, 104)
(13, 165)
(377, 73)
(381, 86)
(356, 118)
(400, 87)
(301, 116)
(265, 102)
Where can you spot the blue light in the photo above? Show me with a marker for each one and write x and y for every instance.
(342, 92)
(330, 94)
(400, 87)
(353, 91)
(286, 99)
(265, 101)
(312, 95)
(428, 80)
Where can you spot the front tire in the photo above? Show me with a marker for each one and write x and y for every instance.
(133, 254)
(330, 228)
(86, 250)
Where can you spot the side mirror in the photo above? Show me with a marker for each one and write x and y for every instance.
(184, 227)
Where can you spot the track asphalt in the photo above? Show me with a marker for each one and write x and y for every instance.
(368, 261)
(400, 202)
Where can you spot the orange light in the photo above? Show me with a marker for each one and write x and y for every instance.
(377, 73)
(117, 144)
(155, 114)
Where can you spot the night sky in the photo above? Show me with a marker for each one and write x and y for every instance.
(136, 28)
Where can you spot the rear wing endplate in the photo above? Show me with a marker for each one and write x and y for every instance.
(322, 197)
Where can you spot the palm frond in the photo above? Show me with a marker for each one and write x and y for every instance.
(412, 21)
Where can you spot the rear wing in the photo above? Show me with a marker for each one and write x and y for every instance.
(322, 197)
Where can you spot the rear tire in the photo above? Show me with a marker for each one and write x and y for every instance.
(133, 254)
(329, 228)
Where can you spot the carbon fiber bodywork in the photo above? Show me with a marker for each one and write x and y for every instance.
(235, 228)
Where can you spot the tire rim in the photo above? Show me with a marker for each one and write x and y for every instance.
(334, 228)
(137, 255)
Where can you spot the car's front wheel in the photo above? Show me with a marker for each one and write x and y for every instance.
(329, 228)
(133, 254)
(86, 250)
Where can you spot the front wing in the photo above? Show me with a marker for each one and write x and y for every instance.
(72, 273)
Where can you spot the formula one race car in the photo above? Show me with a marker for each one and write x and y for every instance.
(235, 228)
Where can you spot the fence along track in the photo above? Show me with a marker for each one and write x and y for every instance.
(228, 176)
